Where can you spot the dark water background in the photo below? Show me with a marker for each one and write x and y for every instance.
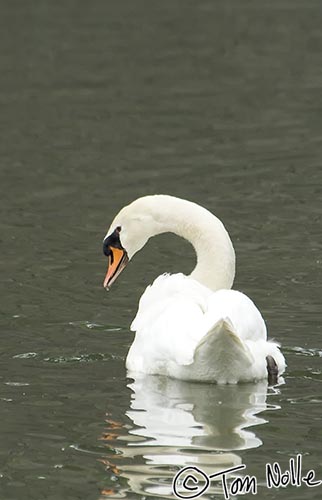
(102, 102)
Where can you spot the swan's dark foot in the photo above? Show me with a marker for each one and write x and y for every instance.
(272, 370)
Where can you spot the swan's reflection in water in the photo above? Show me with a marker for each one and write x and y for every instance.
(176, 424)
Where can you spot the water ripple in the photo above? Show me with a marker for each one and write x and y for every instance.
(77, 358)
(304, 351)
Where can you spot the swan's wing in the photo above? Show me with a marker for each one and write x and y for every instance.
(236, 338)
(221, 355)
(244, 316)
(169, 321)
(165, 289)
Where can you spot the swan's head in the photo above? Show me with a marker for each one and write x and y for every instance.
(156, 214)
(128, 233)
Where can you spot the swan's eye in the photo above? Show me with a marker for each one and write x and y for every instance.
(118, 229)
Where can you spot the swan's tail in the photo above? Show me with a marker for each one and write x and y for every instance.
(223, 354)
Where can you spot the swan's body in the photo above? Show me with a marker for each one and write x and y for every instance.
(190, 327)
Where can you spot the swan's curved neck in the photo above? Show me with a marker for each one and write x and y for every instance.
(215, 266)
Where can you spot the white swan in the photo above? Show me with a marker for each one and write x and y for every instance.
(191, 327)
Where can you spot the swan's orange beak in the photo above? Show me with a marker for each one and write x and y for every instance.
(117, 260)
